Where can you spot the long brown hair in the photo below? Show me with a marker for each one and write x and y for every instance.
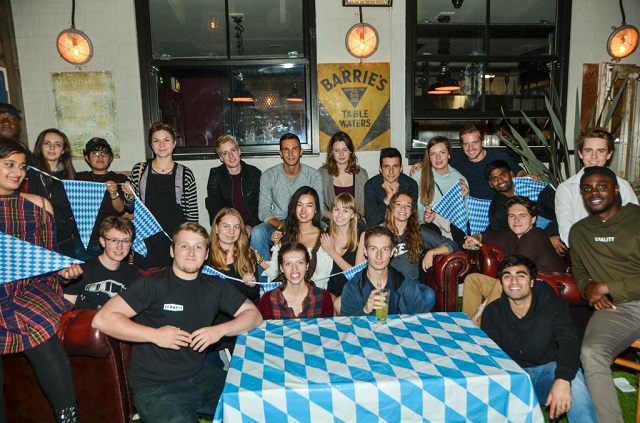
(243, 257)
(427, 184)
(331, 165)
(412, 236)
(66, 158)
(346, 200)
(290, 247)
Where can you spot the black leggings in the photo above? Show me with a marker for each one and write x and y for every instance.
(52, 368)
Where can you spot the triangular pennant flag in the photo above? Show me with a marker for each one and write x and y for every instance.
(451, 207)
(146, 225)
(85, 199)
(527, 187)
(350, 273)
(208, 270)
(478, 214)
(21, 259)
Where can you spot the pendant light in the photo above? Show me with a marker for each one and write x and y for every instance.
(624, 39)
(74, 46)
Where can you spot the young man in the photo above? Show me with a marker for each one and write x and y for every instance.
(277, 186)
(174, 311)
(500, 179)
(523, 238)
(379, 189)
(534, 327)
(98, 155)
(105, 276)
(605, 262)
(359, 296)
(472, 163)
(233, 184)
(595, 148)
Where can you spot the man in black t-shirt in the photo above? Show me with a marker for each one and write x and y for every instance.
(174, 311)
(108, 274)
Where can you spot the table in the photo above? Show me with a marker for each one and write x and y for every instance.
(427, 367)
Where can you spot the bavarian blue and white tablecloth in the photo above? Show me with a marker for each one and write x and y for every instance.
(435, 367)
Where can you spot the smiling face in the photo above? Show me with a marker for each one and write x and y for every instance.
(517, 282)
(290, 151)
(391, 169)
(9, 126)
(99, 159)
(378, 251)
(229, 154)
(472, 146)
(162, 143)
(13, 170)
(52, 147)
(116, 245)
(189, 251)
(520, 220)
(294, 266)
(600, 195)
(595, 152)
(439, 157)
(342, 215)
(228, 231)
(501, 180)
(305, 208)
(402, 208)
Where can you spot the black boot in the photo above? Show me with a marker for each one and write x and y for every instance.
(67, 414)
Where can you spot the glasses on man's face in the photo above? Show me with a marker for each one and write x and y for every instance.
(98, 153)
(115, 242)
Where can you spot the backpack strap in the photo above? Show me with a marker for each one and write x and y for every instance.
(179, 183)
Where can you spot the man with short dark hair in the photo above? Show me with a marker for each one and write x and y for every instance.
(473, 159)
(533, 326)
(605, 262)
(233, 184)
(595, 148)
(360, 295)
(174, 312)
(379, 189)
(500, 179)
(10, 121)
(277, 186)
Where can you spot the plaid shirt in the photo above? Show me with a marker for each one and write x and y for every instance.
(311, 305)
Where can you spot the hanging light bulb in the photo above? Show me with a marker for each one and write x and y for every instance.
(74, 46)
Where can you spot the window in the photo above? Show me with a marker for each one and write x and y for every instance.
(239, 67)
(498, 56)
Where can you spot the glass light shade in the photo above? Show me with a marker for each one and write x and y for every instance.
(74, 46)
(362, 40)
(623, 42)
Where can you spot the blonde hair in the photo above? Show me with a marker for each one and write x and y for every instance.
(243, 257)
(346, 200)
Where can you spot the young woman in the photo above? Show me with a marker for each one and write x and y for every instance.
(341, 240)
(30, 308)
(341, 173)
(297, 297)
(229, 252)
(53, 150)
(167, 188)
(302, 224)
(434, 179)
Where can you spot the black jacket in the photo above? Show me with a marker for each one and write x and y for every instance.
(546, 208)
(545, 334)
(219, 193)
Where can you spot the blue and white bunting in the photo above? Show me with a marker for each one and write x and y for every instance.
(527, 187)
(208, 270)
(451, 206)
(146, 225)
(350, 273)
(478, 214)
(85, 199)
(22, 259)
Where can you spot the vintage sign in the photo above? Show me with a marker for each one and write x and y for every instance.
(85, 108)
(354, 98)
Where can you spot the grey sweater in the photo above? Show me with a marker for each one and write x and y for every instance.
(276, 190)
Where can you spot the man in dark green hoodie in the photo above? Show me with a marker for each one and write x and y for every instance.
(605, 261)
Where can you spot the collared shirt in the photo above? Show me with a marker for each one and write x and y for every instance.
(275, 306)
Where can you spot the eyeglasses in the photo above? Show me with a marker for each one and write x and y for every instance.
(115, 242)
(98, 153)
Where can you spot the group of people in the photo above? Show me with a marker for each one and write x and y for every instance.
(301, 228)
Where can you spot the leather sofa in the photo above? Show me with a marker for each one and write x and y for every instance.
(99, 366)
(449, 270)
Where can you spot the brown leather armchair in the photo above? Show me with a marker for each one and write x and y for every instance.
(99, 367)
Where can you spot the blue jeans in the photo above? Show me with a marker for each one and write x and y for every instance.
(428, 295)
(260, 241)
(182, 401)
(581, 409)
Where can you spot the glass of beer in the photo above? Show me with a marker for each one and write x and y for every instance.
(473, 254)
(382, 313)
